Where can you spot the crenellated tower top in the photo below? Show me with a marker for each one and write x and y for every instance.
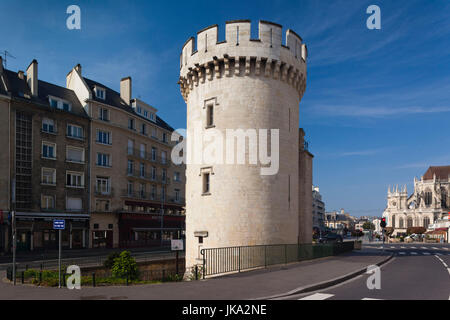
(239, 55)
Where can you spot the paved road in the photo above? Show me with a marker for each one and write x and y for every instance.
(418, 271)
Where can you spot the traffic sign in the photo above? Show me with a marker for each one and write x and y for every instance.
(176, 245)
(59, 224)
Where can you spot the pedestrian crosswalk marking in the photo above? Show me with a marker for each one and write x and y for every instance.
(435, 248)
(426, 253)
(370, 299)
(318, 296)
(392, 247)
(402, 247)
(413, 248)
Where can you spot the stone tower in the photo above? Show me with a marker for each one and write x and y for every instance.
(248, 84)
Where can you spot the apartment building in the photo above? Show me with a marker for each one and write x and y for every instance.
(45, 135)
(318, 209)
(137, 192)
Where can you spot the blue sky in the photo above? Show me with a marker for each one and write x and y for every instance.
(377, 102)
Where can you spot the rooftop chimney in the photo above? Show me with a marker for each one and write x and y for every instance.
(20, 74)
(78, 68)
(125, 89)
(32, 77)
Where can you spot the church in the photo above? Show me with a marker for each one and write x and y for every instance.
(428, 203)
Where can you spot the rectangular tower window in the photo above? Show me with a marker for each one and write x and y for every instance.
(209, 115)
(206, 186)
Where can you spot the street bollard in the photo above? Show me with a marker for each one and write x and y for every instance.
(26, 267)
(93, 279)
(196, 272)
(23, 277)
(127, 278)
(64, 279)
(163, 275)
(40, 277)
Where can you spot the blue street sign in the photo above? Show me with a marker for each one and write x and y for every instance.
(59, 224)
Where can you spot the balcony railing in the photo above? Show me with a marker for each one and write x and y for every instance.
(148, 176)
(99, 191)
(144, 155)
(141, 195)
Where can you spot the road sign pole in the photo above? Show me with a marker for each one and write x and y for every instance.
(59, 260)
(13, 229)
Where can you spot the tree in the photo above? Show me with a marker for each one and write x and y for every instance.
(368, 226)
(125, 265)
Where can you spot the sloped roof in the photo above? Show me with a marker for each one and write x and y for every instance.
(113, 98)
(19, 89)
(441, 172)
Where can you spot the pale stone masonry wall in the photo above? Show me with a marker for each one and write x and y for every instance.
(252, 84)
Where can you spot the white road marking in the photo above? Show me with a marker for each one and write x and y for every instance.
(434, 248)
(438, 253)
(402, 247)
(423, 248)
(414, 253)
(413, 247)
(392, 247)
(426, 253)
(318, 296)
(401, 253)
(370, 299)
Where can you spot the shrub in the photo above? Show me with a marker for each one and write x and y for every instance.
(125, 265)
(109, 262)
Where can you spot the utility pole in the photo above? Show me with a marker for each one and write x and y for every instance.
(13, 227)
(162, 214)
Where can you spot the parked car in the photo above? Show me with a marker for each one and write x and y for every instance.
(330, 238)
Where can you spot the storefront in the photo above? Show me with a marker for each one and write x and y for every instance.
(35, 231)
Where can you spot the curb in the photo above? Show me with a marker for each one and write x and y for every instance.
(326, 283)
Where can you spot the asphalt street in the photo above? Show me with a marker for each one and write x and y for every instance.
(419, 271)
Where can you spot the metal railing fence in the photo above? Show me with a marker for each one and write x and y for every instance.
(236, 259)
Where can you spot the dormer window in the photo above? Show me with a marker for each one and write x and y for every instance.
(60, 104)
(152, 116)
(100, 93)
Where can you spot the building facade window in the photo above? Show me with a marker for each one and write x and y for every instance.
(104, 137)
(144, 129)
(206, 183)
(130, 188)
(176, 176)
(130, 166)
(48, 150)
(103, 160)
(154, 154)
(103, 185)
(153, 192)
(74, 204)
(75, 179)
(103, 114)
(74, 154)
(48, 125)
(131, 124)
(153, 176)
(100, 93)
(48, 176)
(47, 202)
(142, 170)
(210, 115)
(74, 131)
(142, 151)
(428, 198)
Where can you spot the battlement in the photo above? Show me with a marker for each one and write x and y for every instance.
(240, 55)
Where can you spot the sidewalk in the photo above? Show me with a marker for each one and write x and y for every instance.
(248, 285)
